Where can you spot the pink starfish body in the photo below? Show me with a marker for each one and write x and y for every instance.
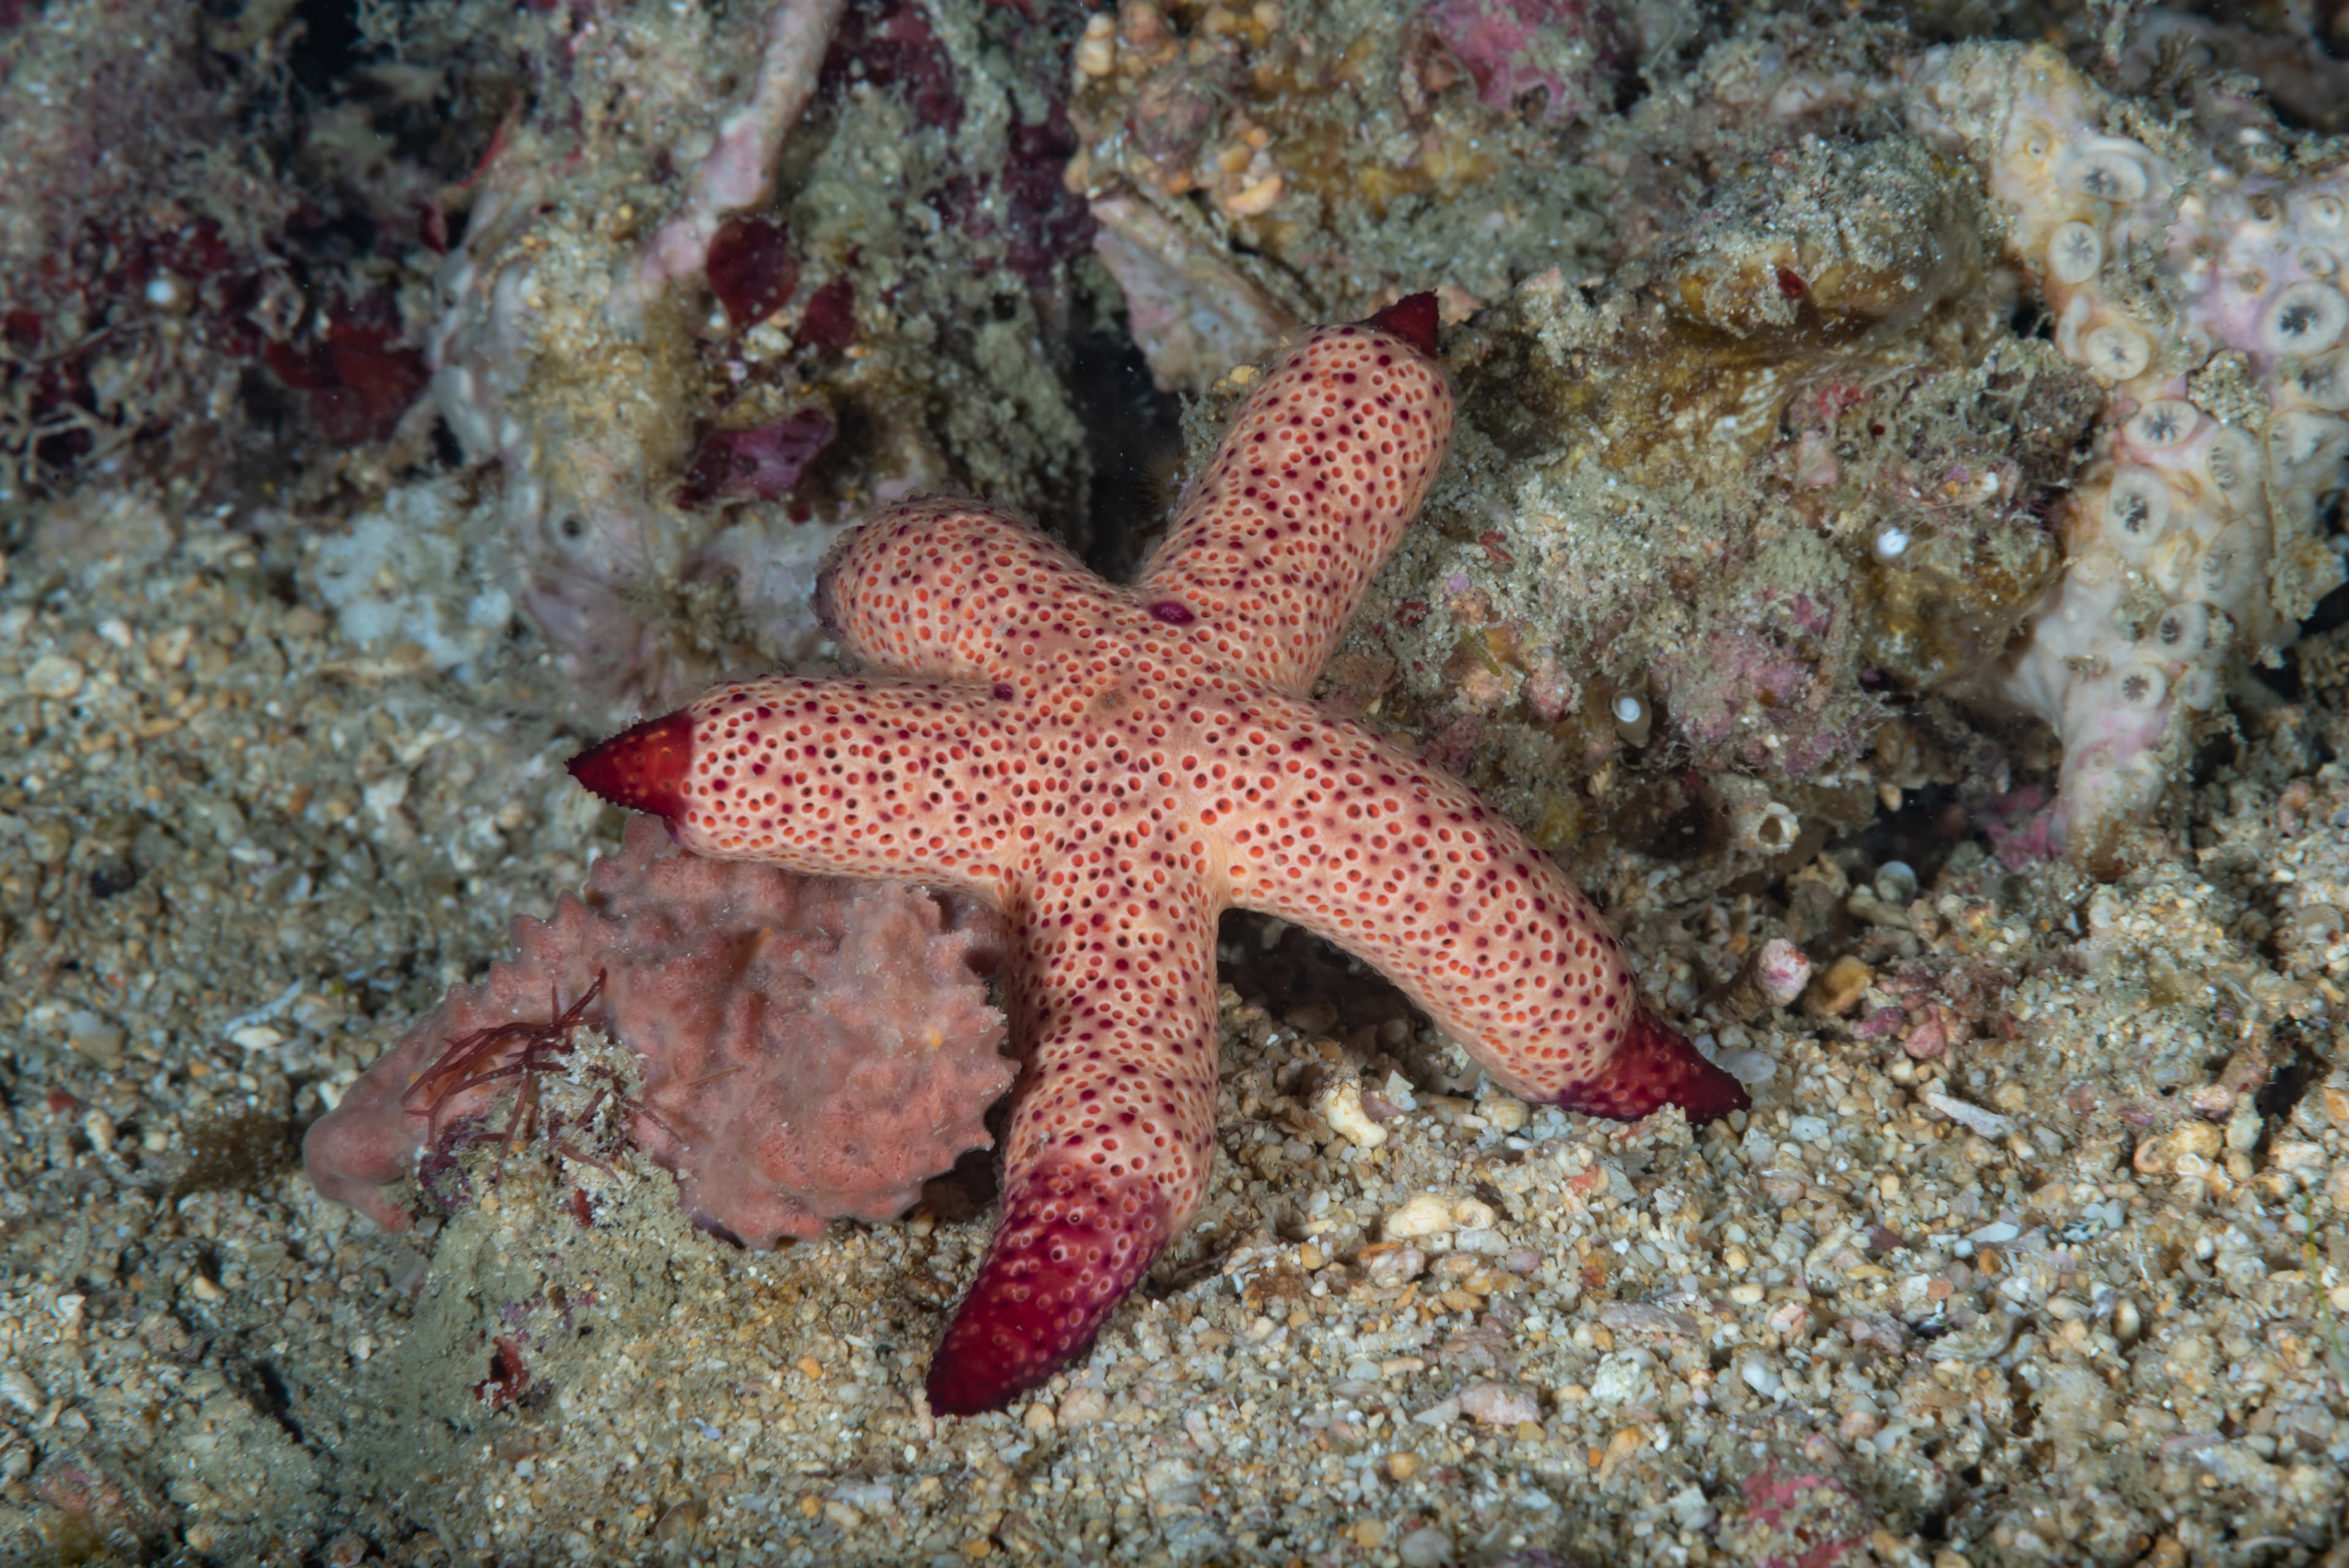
(1113, 767)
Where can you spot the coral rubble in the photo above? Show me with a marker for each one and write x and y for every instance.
(653, 362)
(1783, 465)
(175, 257)
(1798, 462)
(806, 1049)
(1254, 169)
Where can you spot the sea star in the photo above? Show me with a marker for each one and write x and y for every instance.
(1113, 767)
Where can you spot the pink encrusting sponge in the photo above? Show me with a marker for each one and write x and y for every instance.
(810, 1048)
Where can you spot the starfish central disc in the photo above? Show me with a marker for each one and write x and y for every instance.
(1113, 767)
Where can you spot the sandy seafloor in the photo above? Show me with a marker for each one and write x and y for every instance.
(2020, 1303)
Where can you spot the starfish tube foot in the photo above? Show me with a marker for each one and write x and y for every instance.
(1067, 1250)
(1656, 1066)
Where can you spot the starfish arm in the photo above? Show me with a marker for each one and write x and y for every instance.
(1305, 498)
(1108, 1153)
(1401, 866)
(959, 590)
(850, 778)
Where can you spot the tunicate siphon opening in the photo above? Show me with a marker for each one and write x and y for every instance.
(2117, 352)
(2107, 174)
(2182, 631)
(2307, 319)
(2142, 686)
(2136, 510)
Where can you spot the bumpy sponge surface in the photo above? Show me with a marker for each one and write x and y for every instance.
(810, 1047)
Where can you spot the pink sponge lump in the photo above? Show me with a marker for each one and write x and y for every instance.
(811, 1048)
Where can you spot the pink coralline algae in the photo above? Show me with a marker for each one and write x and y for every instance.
(359, 375)
(763, 464)
(1116, 766)
(151, 250)
(1566, 50)
(1807, 1518)
(809, 1048)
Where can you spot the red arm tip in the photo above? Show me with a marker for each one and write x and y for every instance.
(1657, 1066)
(1411, 319)
(642, 769)
(1066, 1251)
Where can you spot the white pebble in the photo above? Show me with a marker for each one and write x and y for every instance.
(1504, 1113)
(1988, 1124)
(20, 1391)
(1341, 1107)
(1690, 1506)
(1499, 1404)
(1082, 1406)
(1426, 1214)
(54, 677)
(1426, 1547)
